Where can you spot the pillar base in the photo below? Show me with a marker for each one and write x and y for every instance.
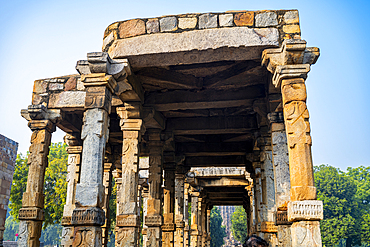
(306, 234)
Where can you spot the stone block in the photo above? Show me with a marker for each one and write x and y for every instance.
(152, 26)
(40, 87)
(128, 221)
(266, 19)
(108, 40)
(31, 214)
(244, 19)
(207, 21)
(269, 227)
(226, 20)
(153, 220)
(74, 99)
(91, 216)
(306, 234)
(305, 210)
(70, 84)
(90, 195)
(188, 23)
(291, 29)
(291, 17)
(168, 24)
(55, 86)
(131, 28)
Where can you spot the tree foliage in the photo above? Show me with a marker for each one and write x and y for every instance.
(338, 191)
(217, 230)
(55, 184)
(239, 224)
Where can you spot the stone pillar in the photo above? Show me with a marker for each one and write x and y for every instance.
(186, 215)
(107, 182)
(88, 216)
(154, 219)
(145, 196)
(268, 227)
(203, 221)
(168, 226)
(31, 214)
(208, 240)
(280, 159)
(195, 231)
(73, 176)
(290, 65)
(128, 220)
(179, 210)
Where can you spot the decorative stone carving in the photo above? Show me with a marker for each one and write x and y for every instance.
(179, 210)
(284, 236)
(281, 218)
(31, 214)
(89, 216)
(268, 227)
(87, 236)
(67, 236)
(128, 220)
(218, 171)
(29, 233)
(305, 210)
(306, 233)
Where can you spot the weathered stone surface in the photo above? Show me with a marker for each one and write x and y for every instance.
(291, 17)
(218, 171)
(207, 21)
(88, 236)
(244, 19)
(305, 210)
(70, 84)
(284, 236)
(131, 28)
(168, 24)
(152, 26)
(306, 234)
(73, 99)
(188, 22)
(194, 40)
(55, 86)
(266, 19)
(226, 20)
(40, 86)
(291, 29)
(108, 40)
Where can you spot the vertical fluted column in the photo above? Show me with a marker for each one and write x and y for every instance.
(194, 232)
(128, 220)
(31, 214)
(107, 182)
(154, 218)
(179, 210)
(186, 215)
(280, 159)
(168, 226)
(290, 65)
(73, 175)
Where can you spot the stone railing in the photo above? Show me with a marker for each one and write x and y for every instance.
(286, 21)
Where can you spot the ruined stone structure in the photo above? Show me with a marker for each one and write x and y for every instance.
(216, 101)
(8, 156)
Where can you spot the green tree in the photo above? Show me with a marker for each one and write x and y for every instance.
(361, 177)
(55, 184)
(217, 230)
(337, 190)
(239, 224)
(11, 228)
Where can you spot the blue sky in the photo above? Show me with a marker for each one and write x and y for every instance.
(41, 39)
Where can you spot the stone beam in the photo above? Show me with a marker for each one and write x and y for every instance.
(163, 49)
(239, 160)
(184, 99)
(209, 149)
(212, 125)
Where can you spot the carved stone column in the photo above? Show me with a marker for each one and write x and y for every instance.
(267, 205)
(208, 240)
(186, 215)
(290, 65)
(154, 219)
(195, 231)
(280, 159)
(107, 182)
(168, 226)
(179, 210)
(73, 176)
(31, 214)
(128, 220)
(145, 196)
(203, 221)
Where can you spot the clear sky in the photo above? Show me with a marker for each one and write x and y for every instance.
(41, 39)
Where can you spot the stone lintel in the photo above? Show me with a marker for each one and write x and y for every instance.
(153, 119)
(305, 210)
(218, 171)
